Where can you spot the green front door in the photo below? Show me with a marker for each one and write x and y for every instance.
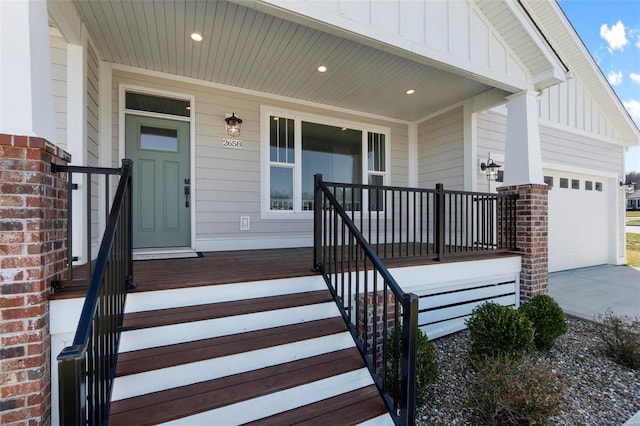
(159, 149)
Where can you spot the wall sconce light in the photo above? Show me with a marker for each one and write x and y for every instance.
(491, 169)
(629, 187)
(233, 125)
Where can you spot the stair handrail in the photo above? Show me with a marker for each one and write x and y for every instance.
(86, 369)
(399, 395)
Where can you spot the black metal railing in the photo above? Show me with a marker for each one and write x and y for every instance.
(371, 302)
(87, 368)
(408, 222)
(89, 172)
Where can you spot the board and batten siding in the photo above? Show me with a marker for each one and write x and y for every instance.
(58, 47)
(570, 104)
(441, 151)
(227, 181)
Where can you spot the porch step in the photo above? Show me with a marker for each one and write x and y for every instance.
(281, 358)
(214, 394)
(155, 318)
(168, 356)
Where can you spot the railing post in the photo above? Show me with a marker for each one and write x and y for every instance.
(439, 221)
(127, 163)
(72, 386)
(409, 355)
(69, 225)
(88, 225)
(317, 223)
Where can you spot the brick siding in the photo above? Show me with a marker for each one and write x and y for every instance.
(532, 237)
(32, 254)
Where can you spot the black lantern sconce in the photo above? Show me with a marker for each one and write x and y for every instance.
(491, 169)
(629, 187)
(233, 125)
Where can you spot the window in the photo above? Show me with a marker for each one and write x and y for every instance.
(297, 147)
(588, 185)
(575, 184)
(564, 183)
(158, 139)
(151, 103)
(599, 186)
(549, 181)
(336, 152)
(281, 157)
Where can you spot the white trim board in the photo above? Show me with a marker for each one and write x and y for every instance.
(123, 111)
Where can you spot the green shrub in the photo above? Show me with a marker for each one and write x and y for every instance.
(508, 391)
(547, 318)
(426, 363)
(499, 330)
(620, 336)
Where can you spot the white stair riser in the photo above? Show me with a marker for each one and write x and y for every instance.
(177, 333)
(268, 405)
(186, 374)
(164, 299)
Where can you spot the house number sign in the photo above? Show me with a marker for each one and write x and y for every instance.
(232, 143)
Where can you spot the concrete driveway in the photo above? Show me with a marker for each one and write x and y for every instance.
(586, 292)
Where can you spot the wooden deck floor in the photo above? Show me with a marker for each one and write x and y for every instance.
(235, 266)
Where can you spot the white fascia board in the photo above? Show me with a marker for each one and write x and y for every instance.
(557, 69)
(558, 29)
(67, 20)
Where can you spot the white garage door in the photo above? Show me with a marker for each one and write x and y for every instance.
(579, 214)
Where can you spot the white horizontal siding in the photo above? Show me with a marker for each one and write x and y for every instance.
(441, 151)
(58, 48)
(559, 146)
(227, 181)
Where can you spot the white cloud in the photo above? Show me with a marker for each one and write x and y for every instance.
(615, 78)
(615, 36)
(635, 77)
(633, 106)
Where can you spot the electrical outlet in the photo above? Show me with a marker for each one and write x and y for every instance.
(245, 223)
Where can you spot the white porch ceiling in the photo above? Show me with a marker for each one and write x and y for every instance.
(252, 50)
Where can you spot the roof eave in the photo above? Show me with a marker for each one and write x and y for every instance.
(603, 93)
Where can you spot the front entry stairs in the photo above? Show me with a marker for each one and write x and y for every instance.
(267, 352)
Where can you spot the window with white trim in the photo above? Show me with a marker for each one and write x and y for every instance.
(301, 146)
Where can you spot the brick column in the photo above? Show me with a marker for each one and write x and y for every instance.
(532, 237)
(32, 254)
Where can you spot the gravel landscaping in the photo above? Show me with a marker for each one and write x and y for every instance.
(597, 390)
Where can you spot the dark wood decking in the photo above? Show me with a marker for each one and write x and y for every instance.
(225, 267)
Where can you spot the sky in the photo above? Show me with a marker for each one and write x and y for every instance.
(610, 29)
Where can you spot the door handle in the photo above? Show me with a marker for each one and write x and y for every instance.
(187, 191)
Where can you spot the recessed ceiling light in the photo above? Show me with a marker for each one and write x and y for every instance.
(322, 68)
(196, 36)
(344, 129)
(410, 91)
